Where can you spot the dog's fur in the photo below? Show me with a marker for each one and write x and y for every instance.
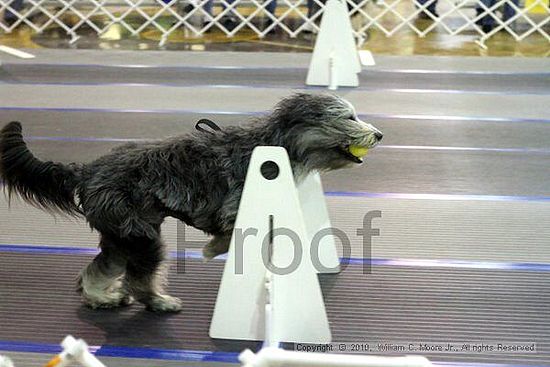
(197, 178)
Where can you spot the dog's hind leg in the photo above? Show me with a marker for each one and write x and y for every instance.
(146, 275)
(100, 283)
(218, 245)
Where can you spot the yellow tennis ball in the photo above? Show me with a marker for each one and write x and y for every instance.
(358, 151)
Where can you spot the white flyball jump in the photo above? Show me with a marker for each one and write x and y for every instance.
(270, 289)
(318, 226)
(277, 227)
(335, 61)
(74, 351)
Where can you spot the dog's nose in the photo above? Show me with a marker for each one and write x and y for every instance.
(378, 135)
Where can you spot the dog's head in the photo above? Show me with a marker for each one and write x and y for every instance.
(324, 131)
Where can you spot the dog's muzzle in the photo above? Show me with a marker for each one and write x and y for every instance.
(356, 153)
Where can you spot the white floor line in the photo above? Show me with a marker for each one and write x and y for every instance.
(16, 52)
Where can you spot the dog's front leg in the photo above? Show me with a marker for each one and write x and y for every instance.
(218, 245)
(146, 275)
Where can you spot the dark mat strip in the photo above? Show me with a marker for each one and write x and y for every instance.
(391, 305)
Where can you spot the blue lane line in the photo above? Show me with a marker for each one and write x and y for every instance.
(196, 255)
(467, 149)
(259, 113)
(288, 86)
(89, 139)
(417, 196)
(86, 139)
(474, 364)
(167, 354)
(48, 250)
(126, 352)
(180, 354)
(29, 347)
(455, 91)
(388, 195)
(130, 110)
(210, 86)
(454, 118)
(460, 72)
(454, 264)
(305, 67)
(178, 67)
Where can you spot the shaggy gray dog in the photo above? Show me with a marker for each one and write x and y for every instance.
(196, 178)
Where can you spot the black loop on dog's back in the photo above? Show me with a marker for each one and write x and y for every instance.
(211, 124)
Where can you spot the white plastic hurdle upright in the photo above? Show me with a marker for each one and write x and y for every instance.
(74, 350)
(255, 301)
(273, 231)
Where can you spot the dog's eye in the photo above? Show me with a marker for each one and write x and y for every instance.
(352, 117)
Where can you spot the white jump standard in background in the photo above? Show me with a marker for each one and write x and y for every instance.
(335, 61)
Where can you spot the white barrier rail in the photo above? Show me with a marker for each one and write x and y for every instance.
(194, 18)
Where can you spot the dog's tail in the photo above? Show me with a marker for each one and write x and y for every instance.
(46, 185)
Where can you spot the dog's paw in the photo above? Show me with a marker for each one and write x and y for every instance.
(208, 253)
(127, 300)
(217, 246)
(107, 300)
(95, 305)
(164, 303)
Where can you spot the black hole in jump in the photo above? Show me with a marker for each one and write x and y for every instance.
(270, 170)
